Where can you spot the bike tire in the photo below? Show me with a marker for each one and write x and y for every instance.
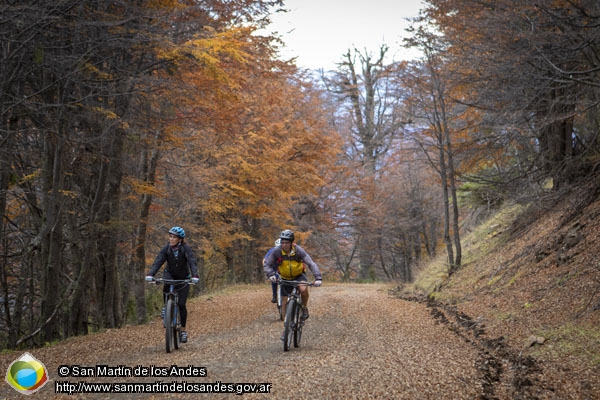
(298, 322)
(288, 323)
(176, 327)
(169, 314)
(280, 310)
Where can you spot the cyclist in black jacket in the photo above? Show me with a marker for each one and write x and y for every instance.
(181, 264)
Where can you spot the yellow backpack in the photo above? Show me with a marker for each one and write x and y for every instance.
(290, 265)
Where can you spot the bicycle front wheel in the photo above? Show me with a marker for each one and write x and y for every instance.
(298, 322)
(176, 326)
(169, 325)
(280, 310)
(288, 323)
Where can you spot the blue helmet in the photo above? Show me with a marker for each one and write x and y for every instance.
(177, 231)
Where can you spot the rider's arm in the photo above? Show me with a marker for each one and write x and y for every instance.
(159, 261)
(309, 261)
(191, 259)
(267, 255)
(270, 262)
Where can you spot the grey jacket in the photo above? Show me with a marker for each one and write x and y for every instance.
(275, 258)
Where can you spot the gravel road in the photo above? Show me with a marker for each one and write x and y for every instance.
(358, 343)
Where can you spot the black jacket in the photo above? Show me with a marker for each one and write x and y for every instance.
(179, 266)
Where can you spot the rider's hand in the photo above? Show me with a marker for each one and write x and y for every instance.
(149, 278)
(318, 283)
(273, 278)
(195, 280)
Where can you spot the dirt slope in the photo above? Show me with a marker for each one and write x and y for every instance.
(358, 343)
(530, 289)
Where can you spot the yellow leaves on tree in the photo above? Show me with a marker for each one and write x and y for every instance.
(213, 51)
(251, 132)
(277, 148)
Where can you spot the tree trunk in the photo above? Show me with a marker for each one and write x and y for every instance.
(51, 236)
(455, 212)
(446, 199)
(148, 168)
(112, 294)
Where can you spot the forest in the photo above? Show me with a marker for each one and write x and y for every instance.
(120, 119)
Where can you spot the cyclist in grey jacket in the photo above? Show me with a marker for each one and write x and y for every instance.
(289, 261)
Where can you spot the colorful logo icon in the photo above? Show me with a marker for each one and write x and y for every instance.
(26, 374)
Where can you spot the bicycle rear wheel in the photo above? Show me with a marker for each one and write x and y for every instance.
(169, 330)
(288, 323)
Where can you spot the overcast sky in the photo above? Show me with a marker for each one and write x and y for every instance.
(319, 32)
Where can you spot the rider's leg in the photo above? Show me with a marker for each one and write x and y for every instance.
(165, 291)
(304, 296)
(274, 288)
(182, 299)
(285, 292)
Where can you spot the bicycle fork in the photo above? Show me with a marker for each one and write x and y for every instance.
(174, 311)
(298, 317)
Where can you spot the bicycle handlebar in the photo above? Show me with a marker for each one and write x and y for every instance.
(294, 283)
(171, 281)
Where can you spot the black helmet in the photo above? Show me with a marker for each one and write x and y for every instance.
(287, 235)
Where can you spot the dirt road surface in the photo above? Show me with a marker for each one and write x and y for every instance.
(359, 342)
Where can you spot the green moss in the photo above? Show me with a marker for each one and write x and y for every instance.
(475, 268)
(514, 279)
(571, 340)
(495, 279)
(566, 278)
(504, 316)
(431, 277)
(434, 295)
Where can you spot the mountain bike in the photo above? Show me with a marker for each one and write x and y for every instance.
(293, 322)
(172, 317)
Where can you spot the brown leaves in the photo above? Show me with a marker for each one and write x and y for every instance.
(358, 343)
